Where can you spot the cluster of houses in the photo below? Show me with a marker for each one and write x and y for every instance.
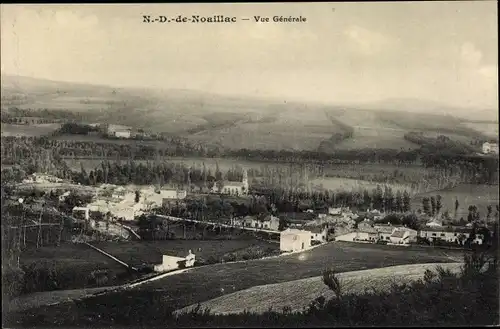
(42, 179)
(490, 147)
(401, 235)
(121, 203)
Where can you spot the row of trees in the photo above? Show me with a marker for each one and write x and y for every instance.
(473, 169)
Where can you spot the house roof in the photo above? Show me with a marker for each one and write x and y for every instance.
(459, 229)
(292, 231)
(398, 234)
(229, 184)
(317, 229)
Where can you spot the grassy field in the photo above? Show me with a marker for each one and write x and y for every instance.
(467, 195)
(296, 128)
(489, 129)
(150, 252)
(347, 184)
(233, 122)
(42, 129)
(298, 294)
(73, 258)
(205, 283)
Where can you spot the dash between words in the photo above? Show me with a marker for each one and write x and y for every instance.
(220, 19)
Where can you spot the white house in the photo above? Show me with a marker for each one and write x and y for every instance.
(271, 222)
(294, 240)
(490, 147)
(319, 234)
(233, 188)
(449, 234)
(77, 212)
(403, 236)
(123, 133)
(334, 211)
(170, 263)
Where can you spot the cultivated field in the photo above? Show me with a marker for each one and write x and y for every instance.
(42, 129)
(298, 294)
(346, 184)
(467, 195)
(489, 129)
(294, 129)
(205, 283)
(73, 258)
(150, 252)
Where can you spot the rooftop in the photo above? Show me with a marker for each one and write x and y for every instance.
(460, 229)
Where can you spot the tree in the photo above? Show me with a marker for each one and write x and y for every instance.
(439, 204)
(433, 206)
(331, 279)
(489, 211)
(406, 201)
(426, 206)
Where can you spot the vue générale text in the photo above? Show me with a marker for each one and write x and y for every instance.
(220, 19)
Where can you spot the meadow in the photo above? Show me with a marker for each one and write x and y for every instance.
(43, 129)
(293, 129)
(71, 261)
(298, 294)
(190, 287)
(150, 252)
(489, 129)
(467, 195)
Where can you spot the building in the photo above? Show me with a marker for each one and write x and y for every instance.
(294, 240)
(490, 148)
(366, 236)
(271, 222)
(173, 194)
(233, 188)
(170, 263)
(366, 226)
(448, 233)
(385, 231)
(125, 133)
(319, 234)
(403, 236)
(81, 213)
(334, 211)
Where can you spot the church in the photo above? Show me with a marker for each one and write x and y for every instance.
(233, 188)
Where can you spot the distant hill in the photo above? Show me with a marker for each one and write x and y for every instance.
(239, 121)
(414, 105)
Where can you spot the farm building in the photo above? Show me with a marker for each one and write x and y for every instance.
(294, 240)
(319, 234)
(449, 233)
(270, 222)
(233, 188)
(366, 236)
(403, 236)
(385, 230)
(170, 263)
(81, 213)
(490, 148)
(334, 211)
(366, 226)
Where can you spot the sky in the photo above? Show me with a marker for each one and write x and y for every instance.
(344, 52)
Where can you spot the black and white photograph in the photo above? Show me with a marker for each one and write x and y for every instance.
(229, 165)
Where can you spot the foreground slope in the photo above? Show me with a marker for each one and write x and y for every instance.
(298, 294)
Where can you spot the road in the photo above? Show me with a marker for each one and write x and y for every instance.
(217, 224)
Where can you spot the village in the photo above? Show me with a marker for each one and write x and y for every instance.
(114, 211)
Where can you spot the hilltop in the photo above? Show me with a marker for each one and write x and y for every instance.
(246, 122)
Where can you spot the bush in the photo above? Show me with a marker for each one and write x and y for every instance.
(12, 281)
